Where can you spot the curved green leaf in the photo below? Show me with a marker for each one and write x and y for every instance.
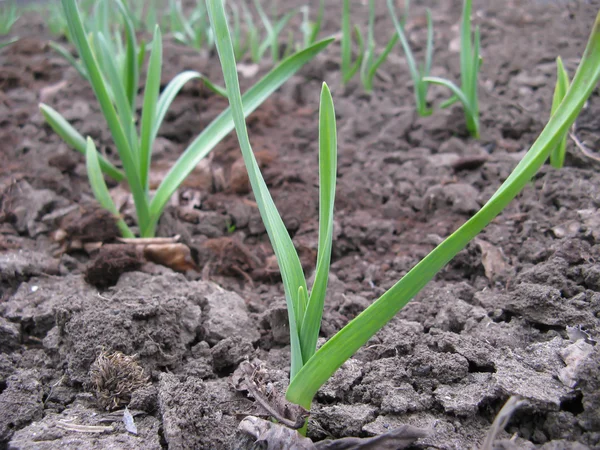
(74, 139)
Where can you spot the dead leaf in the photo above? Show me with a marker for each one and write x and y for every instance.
(251, 377)
(254, 432)
(48, 92)
(176, 256)
(492, 259)
(247, 70)
(259, 433)
(501, 420)
(395, 439)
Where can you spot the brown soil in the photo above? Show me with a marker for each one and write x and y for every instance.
(516, 313)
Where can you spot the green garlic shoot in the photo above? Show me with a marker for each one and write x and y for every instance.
(115, 88)
(311, 368)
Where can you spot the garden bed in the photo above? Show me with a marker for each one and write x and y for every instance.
(515, 313)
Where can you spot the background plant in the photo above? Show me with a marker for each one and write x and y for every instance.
(310, 29)
(348, 67)
(103, 24)
(470, 63)
(273, 31)
(8, 17)
(417, 73)
(193, 29)
(367, 62)
(370, 62)
(134, 145)
(310, 369)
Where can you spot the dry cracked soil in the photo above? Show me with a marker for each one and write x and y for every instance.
(515, 313)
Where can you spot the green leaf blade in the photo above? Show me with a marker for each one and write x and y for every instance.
(287, 258)
(99, 187)
(557, 156)
(311, 323)
(150, 106)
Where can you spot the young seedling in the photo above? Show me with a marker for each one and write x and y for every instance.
(273, 31)
(143, 15)
(557, 156)
(194, 32)
(8, 17)
(240, 44)
(311, 30)
(252, 36)
(134, 146)
(311, 368)
(371, 62)
(417, 73)
(350, 68)
(470, 63)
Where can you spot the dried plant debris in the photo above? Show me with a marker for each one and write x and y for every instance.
(114, 377)
(253, 378)
(254, 432)
(396, 439)
(501, 420)
(168, 252)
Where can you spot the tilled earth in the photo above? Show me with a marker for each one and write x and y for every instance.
(515, 313)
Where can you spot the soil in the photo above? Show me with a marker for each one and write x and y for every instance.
(516, 313)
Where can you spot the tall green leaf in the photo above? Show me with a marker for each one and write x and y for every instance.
(291, 269)
(100, 89)
(150, 106)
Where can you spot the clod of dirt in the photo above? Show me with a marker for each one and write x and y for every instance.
(114, 377)
(239, 182)
(156, 317)
(30, 205)
(275, 319)
(16, 267)
(10, 336)
(459, 197)
(345, 420)
(229, 352)
(227, 316)
(92, 224)
(212, 404)
(20, 402)
(111, 261)
(589, 383)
